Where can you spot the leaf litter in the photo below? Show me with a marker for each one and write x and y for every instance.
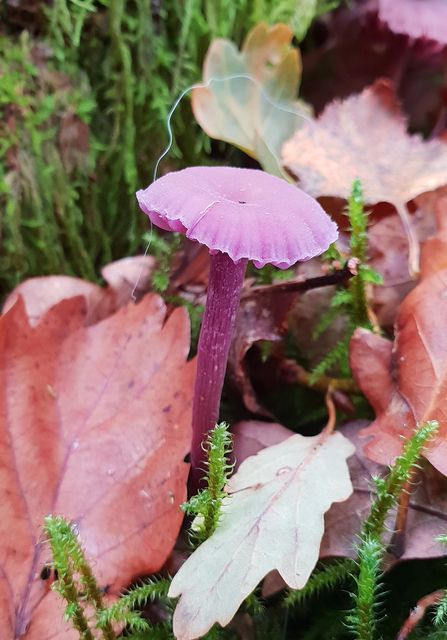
(273, 519)
(365, 137)
(406, 382)
(250, 100)
(95, 426)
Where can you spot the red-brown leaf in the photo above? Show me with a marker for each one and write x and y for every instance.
(127, 280)
(40, 294)
(425, 517)
(365, 137)
(407, 382)
(95, 423)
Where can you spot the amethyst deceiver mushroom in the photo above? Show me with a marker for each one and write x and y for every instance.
(240, 215)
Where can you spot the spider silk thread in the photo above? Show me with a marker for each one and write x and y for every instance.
(205, 85)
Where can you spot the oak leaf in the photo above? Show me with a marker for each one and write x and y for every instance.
(425, 517)
(249, 98)
(343, 521)
(272, 519)
(365, 137)
(95, 423)
(406, 383)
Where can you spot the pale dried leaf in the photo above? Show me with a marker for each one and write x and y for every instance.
(365, 137)
(40, 294)
(416, 18)
(273, 519)
(250, 96)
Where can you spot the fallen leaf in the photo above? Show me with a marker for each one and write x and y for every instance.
(272, 519)
(406, 382)
(355, 48)
(249, 98)
(307, 313)
(427, 508)
(95, 425)
(194, 270)
(40, 294)
(426, 515)
(388, 255)
(126, 278)
(251, 436)
(263, 314)
(416, 18)
(418, 612)
(130, 278)
(365, 137)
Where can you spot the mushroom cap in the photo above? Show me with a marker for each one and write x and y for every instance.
(245, 213)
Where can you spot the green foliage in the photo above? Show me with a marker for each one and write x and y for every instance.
(164, 250)
(321, 580)
(366, 570)
(253, 605)
(298, 14)
(350, 302)
(67, 20)
(83, 112)
(44, 178)
(362, 620)
(268, 273)
(123, 609)
(440, 619)
(388, 489)
(371, 550)
(206, 505)
(69, 561)
(77, 585)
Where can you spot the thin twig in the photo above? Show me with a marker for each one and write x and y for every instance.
(418, 612)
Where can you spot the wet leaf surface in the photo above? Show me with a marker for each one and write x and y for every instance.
(272, 519)
(365, 137)
(406, 383)
(95, 425)
(256, 110)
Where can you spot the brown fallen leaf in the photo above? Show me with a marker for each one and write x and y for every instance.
(263, 315)
(407, 382)
(388, 251)
(427, 511)
(365, 137)
(122, 276)
(416, 18)
(40, 294)
(250, 97)
(251, 436)
(130, 278)
(95, 423)
(357, 48)
(272, 519)
(426, 516)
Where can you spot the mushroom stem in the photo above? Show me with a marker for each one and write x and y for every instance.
(224, 290)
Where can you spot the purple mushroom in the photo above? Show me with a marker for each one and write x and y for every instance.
(240, 215)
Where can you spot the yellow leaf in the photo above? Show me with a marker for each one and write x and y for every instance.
(250, 97)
